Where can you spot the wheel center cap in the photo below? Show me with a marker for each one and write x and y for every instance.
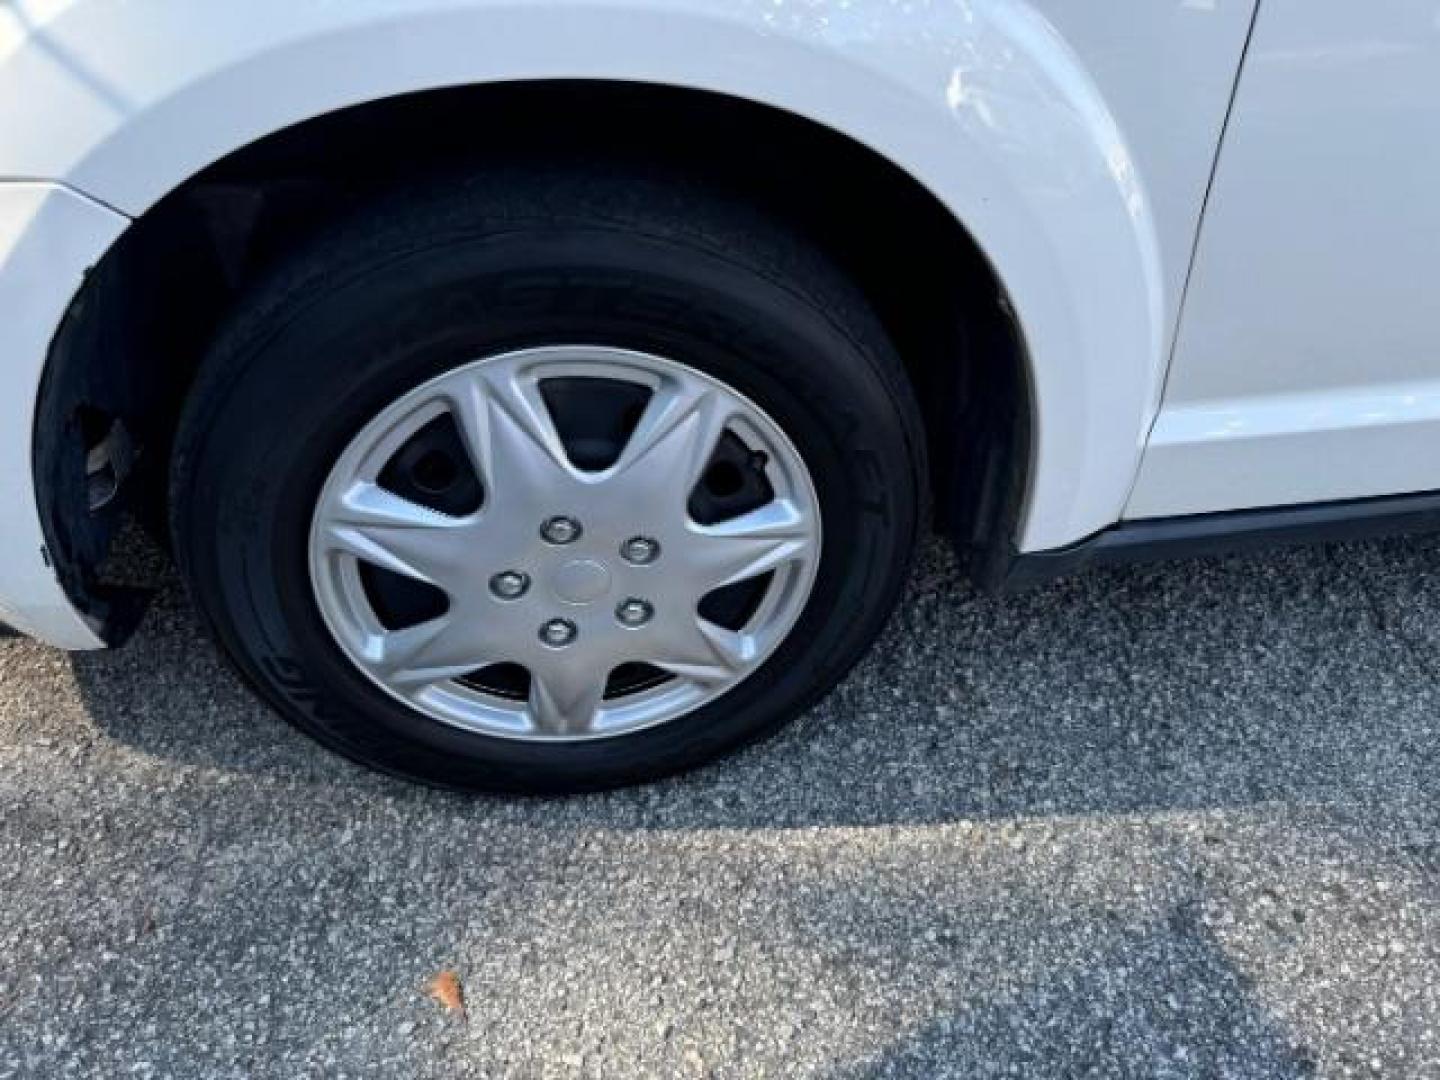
(580, 581)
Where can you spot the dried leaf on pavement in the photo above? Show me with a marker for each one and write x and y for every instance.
(445, 988)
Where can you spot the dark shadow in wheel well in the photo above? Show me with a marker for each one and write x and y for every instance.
(127, 352)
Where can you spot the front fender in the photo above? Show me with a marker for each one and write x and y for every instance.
(49, 237)
(982, 102)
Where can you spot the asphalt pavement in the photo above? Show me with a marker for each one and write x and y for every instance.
(1179, 821)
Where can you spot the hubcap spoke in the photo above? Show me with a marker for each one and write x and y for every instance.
(673, 441)
(374, 525)
(431, 652)
(510, 434)
(705, 653)
(565, 695)
(749, 545)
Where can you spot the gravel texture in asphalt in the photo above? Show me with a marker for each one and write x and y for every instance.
(1169, 822)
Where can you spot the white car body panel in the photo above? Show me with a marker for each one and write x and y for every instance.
(49, 236)
(1307, 367)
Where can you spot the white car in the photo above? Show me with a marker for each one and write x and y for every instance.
(548, 394)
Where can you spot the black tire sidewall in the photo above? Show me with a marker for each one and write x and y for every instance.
(292, 388)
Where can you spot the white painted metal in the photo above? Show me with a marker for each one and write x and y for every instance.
(1308, 362)
(48, 237)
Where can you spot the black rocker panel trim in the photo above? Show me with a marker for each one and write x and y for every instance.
(1223, 534)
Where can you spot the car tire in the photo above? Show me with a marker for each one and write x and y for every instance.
(698, 293)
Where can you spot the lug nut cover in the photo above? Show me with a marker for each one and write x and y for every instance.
(560, 530)
(558, 633)
(640, 550)
(634, 612)
(510, 584)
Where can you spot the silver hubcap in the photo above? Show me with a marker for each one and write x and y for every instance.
(564, 572)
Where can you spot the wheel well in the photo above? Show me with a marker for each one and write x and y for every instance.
(124, 357)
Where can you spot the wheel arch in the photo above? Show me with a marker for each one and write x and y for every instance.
(1012, 142)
